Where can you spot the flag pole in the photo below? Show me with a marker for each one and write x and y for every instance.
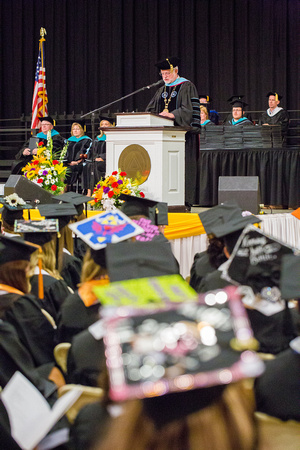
(42, 34)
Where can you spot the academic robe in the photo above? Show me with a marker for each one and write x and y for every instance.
(93, 170)
(71, 270)
(58, 144)
(34, 330)
(75, 317)
(76, 147)
(186, 108)
(244, 121)
(281, 118)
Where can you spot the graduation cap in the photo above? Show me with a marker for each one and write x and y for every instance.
(226, 219)
(14, 249)
(207, 97)
(130, 260)
(236, 100)
(168, 63)
(256, 262)
(276, 95)
(102, 229)
(109, 117)
(81, 123)
(136, 206)
(47, 119)
(235, 97)
(180, 350)
(61, 211)
(13, 207)
(290, 277)
(77, 200)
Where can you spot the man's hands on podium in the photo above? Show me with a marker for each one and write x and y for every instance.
(167, 114)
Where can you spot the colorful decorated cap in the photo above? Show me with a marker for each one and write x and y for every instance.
(15, 249)
(168, 63)
(109, 227)
(13, 207)
(256, 262)
(180, 349)
(129, 260)
(276, 95)
(37, 232)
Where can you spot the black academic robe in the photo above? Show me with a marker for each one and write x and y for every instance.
(71, 270)
(201, 267)
(186, 108)
(75, 149)
(86, 359)
(55, 292)
(281, 118)
(245, 123)
(93, 170)
(58, 144)
(277, 390)
(33, 328)
(75, 317)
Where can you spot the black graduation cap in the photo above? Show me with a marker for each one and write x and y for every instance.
(14, 249)
(159, 213)
(276, 95)
(139, 206)
(47, 119)
(108, 116)
(290, 277)
(11, 210)
(168, 63)
(225, 219)
(130, 260)
(99, 256)
(235, 97)
(80, 123)
(61, 211)
(77, 200)
(207, 97)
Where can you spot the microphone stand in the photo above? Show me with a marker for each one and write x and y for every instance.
(92, 114)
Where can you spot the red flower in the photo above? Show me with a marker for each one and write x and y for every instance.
(54, 162)
(53, 187)
(40, 180)
(41, 144)
(123, 174)
(142, 194)
(115, 173)
(110, 194)
(114, 185)
(35, 162)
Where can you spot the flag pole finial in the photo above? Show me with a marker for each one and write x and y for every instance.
(43, 32)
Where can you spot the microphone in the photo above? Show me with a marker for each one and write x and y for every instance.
(155, 84)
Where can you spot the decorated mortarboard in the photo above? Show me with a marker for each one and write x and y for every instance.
(179, 348)
(152, 292)
(128, 260)
(61, 211)
(290, 277)
(13, 207)
(78, 200)
(256, 262)
(227, 218)
(38, 232)
(168, 63)
(15, 249)
(134, 206)
(47, 119)
(276, 95)
(109, 227)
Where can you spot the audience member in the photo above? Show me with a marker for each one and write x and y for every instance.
(178, 100)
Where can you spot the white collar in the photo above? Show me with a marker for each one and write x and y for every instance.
(274, 112)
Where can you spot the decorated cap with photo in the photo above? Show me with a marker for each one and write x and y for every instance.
(109, 227)
(180, 348)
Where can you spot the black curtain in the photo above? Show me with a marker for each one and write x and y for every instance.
(100, 50)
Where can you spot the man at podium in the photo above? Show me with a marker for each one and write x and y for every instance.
(178, 100)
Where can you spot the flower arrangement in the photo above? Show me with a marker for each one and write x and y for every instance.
(46, 169)
(107, 192)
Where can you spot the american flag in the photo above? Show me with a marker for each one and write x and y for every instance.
(40, 98)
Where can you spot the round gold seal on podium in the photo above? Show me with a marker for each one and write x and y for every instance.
(136, 162)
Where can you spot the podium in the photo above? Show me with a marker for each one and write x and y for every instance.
(151, 150)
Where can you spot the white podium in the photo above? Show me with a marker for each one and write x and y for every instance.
(150, 149)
